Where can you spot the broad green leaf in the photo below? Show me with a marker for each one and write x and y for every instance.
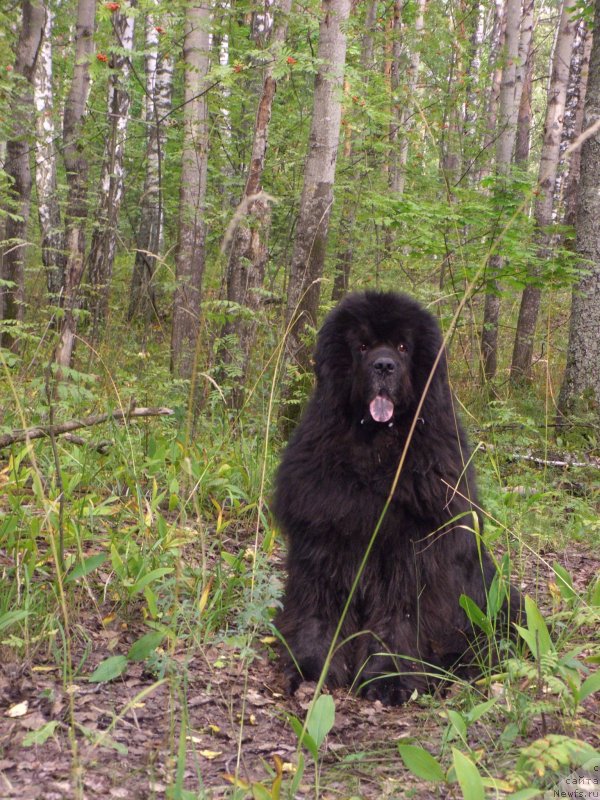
(468, 776)
(480, 709)
(40, 735)
(141, 649)
(421, 763)
(537, 627)
(590, 685)
(153, 575)
(11, 617)
(321, 718)
(475, 614)
(304, 738)
(458, 723)
(109, 669)
(86, 566)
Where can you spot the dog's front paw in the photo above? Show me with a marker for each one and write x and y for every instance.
(390, 691)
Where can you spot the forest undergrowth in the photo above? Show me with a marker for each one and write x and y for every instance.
(141, 571)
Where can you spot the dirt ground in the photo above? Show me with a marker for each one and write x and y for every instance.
(235, 724)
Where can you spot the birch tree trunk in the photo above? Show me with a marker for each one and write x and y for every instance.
(18, 169)
(189, 263)
(403, 112)
(53, 256)
(159, 81)
(574, 123)
(497, 35)
(104, 238)
(248, 253)
(582, 374)
(507, 122)
(310, 244)
(555, 110)
(347, 233)
(76, 167)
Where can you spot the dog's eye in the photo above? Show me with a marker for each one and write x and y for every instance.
(402, 348)
(363, 348)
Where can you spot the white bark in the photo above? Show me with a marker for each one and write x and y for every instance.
(45, 168)
(104, 238)
(548, 169)
(312, 227)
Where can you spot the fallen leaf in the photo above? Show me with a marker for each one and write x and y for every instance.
(211, 754)
(18, 710)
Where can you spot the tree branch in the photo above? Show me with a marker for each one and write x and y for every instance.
(41, 431)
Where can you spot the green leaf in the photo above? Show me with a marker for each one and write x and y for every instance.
(40, 735)
(153, 575)
(109, 669)
(299, 774)
(421, 763)
(480, 709)
(144, 646)
(475, 614)
(458, 723)
(589, 686)
(468, 776)
(86, 566)
(538, 629)
(11, 617)
(321, 718)
(304, 738)
(564, 582)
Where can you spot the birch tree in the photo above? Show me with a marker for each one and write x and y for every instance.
(347, 233)
(53, 255)
(157, 104)
(310, 243)
(509, 101)
(403, 109)
(18, 169)
(189, 262)
(248, 249)
(582, 373)
(76, 168)
(104, 239)
(548, 169)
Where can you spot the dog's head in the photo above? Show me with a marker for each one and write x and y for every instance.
(375, 354)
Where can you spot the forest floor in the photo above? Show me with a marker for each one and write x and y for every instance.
(217, 717)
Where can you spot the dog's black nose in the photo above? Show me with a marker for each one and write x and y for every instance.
(384, 365)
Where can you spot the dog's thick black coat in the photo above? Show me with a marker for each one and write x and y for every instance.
(374, 357)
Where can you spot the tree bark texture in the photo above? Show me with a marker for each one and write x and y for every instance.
(18, 169)
(574, 123)
(248, 254)
(104, 238)
(509, 102)
(403, 111)
(159, 82)
(347, 232)
(548, 170)
(189, 262)
(53, 255)
(310, 243)
(76, 167)
(582, 374)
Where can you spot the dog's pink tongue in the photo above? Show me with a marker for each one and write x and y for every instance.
(382, 409)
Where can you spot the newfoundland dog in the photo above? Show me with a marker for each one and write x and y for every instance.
(381, 402)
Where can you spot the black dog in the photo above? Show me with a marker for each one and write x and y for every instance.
(404, 626)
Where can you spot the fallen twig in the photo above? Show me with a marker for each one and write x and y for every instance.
(566, 461)
(41, 431)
